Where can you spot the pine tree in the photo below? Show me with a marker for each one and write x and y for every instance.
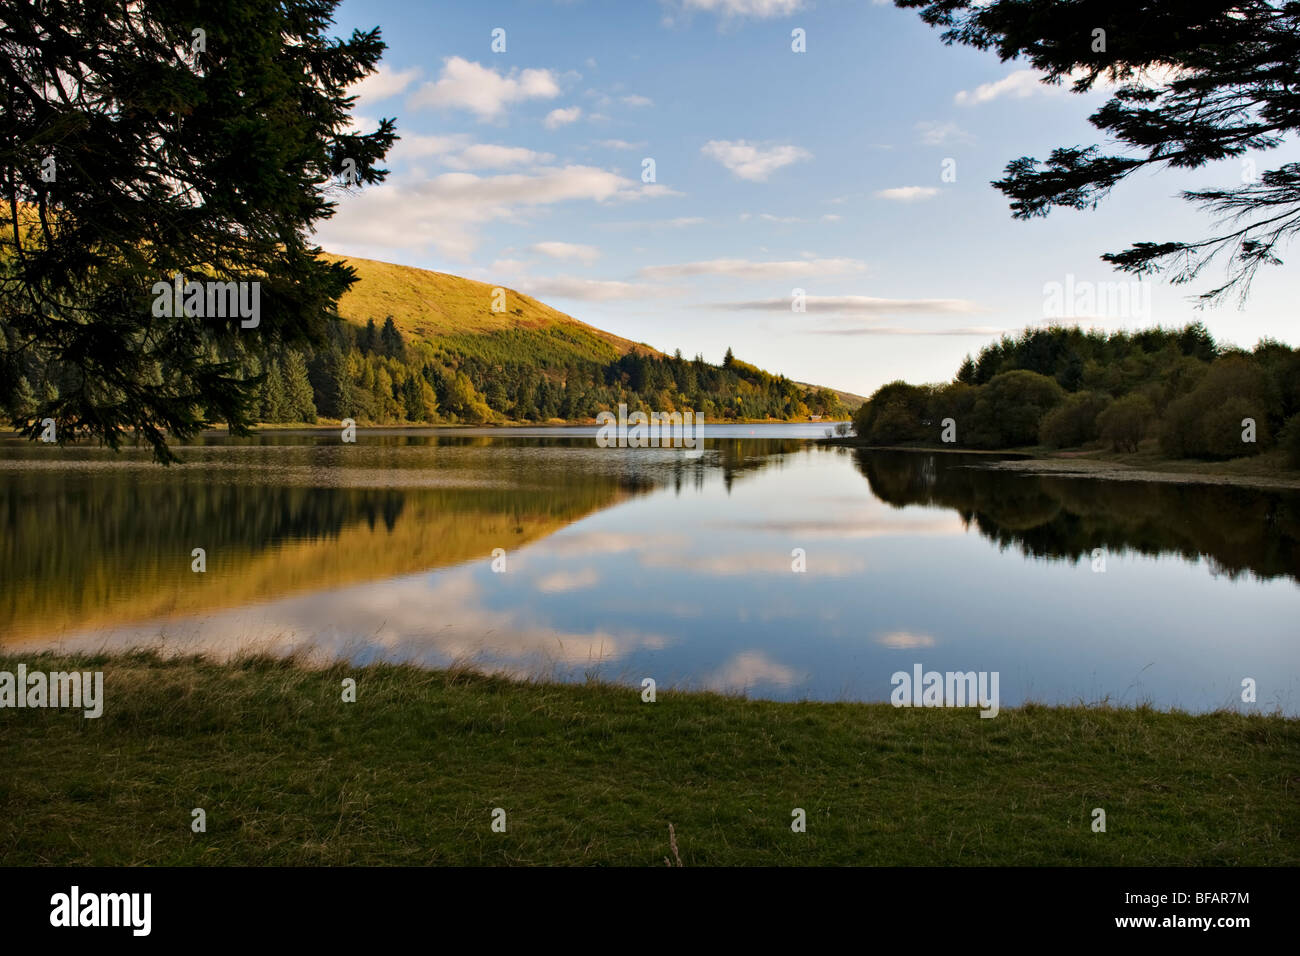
(368, 338)
(24, 401)
(274, 404)
(299, 405)
(242, 140)
(390, 340)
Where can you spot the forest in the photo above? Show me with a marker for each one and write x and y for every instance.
(374, 374)
(1175, 391)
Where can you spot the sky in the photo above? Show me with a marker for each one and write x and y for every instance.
(675, 172)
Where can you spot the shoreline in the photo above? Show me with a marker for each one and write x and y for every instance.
(1101, 466)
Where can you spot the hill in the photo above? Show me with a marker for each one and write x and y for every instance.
(423, 346)
(433, 306)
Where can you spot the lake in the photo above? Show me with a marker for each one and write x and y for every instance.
(770, 565)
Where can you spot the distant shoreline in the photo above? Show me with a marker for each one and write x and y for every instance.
(1260, 471)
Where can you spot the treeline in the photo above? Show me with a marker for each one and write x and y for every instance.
(375, 375)
(1174, 389)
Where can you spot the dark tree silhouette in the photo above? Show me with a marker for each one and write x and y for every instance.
(1194, 81)
(140, 141)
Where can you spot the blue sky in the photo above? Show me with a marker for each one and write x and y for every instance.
(773, 171)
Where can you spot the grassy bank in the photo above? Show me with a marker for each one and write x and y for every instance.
(288, 774)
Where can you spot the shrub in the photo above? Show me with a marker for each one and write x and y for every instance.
(1074, 421)
(1009, 408)
(1126, 421)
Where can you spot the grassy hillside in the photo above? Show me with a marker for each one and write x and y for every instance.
(457, 313)
(454, 317)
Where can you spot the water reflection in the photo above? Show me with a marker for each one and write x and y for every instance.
(639, 562)
(1237, 530)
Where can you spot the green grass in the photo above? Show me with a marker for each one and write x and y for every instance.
(588, 774)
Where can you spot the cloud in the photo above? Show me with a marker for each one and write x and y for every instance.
(902, 640)
(758, 9)
(588, 290)
(941, 134)
(562, 581)
(749, 668)
(383, 83)
(563, 117)
(1020, 84)
(753, 161)
(588, 543)
(467, 85)
(1026, 83)
(567, 250)
(860, 305)
(676, 223)
(907, 193)
(489, 156)
(457, 151)
(749, 269)
(447, 211)
(618, 144)
(977, 331)
(633, 99)
(419, 147)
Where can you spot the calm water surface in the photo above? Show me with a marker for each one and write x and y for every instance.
(633, 563)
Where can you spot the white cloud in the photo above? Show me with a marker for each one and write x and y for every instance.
(908, 193)
(633, 99)
(860, 305)
(904, 640)
(759, 9)
(831, 217)
(447, 211)
(1020, 84)
(976, 331)
(457, 151)
(561, 581)
(467, 85)
(563, 117)
(749, 269)
(490, 156)
(1025, 83)
(588, 290)
(753, 161)
(419, 147)
(383, 83)
(941, 134)
(749, 668)
(618, 144)
(567, 250)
